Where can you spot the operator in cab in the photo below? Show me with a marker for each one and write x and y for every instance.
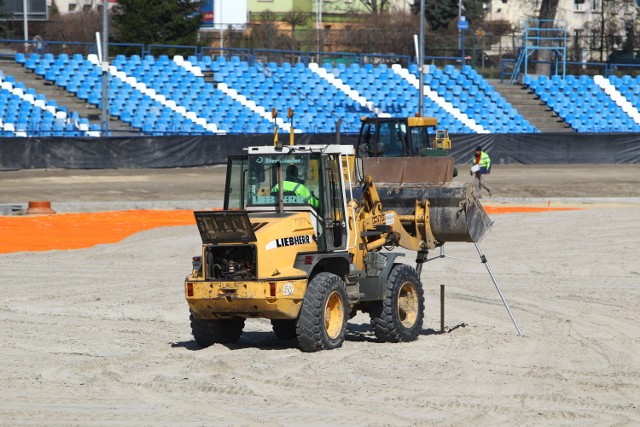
(295, 185)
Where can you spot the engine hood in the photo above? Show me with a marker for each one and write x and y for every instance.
(224, 227)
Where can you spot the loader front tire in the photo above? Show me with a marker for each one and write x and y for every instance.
(207, 332)
(285, 329)
(399, 316)
(322, 322)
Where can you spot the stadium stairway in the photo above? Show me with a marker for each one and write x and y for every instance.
(529, 105)
(63, 98)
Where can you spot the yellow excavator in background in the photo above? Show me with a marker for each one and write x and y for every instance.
(271, 254)
(401, 137)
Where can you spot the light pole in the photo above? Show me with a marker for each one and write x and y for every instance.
(463, 26)
(105, 68)
(221, 26)
(460, 31)
(25, 20)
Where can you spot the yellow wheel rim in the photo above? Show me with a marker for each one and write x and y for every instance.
(333, 315)
(408, 305)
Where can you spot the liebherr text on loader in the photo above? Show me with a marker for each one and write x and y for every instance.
(307, 266)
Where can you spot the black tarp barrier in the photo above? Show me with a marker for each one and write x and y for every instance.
(192, 151)
(550, 148)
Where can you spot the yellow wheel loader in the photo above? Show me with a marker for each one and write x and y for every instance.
(401, 137)
(310, 245)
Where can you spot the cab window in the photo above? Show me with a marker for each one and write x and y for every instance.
(262, 185)
(393, 136)
(236, 179)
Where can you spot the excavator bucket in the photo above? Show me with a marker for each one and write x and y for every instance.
(455, 213)
(402, 170)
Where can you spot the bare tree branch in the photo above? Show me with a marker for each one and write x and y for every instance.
(376, 7)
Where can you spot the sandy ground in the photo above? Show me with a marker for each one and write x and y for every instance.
(100, 336)
(148, 186)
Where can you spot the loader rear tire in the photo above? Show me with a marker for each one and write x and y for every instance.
(285, 329)
(322, 322)
(399, 316)
(207, 332)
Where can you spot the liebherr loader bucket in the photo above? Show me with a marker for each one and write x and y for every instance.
(455, 214)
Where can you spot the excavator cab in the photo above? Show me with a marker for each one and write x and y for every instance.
(395, 136)
(386, 139)
(254, 179)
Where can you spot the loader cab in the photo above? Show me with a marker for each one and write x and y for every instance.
(396, 136)
(318, 187)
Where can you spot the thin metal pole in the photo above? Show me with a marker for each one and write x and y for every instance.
(460, 42)
(504, 301)
(421, 62)
(25, 19)
(105, 68)
(442, 309)
(462, 46)
(221, 27)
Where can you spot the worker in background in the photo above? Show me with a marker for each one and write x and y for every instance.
(293, 184)
(480, 166)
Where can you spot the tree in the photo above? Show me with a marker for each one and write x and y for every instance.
(629, 45)
(376, 7)
(265, 33)
(78, 27)
(5, 22)
(443, 13)
(615, 32)
(548, 9)
(53, 9)
(174, 22)
(295, 18)
(546, 17)
(389, 34)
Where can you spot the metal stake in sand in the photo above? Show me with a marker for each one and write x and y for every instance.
(442, 309)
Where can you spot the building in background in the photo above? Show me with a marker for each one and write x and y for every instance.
(343, 7)
(595, 28)
(219, 14)
(70, 6)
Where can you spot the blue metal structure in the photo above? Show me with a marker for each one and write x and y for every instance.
(541, 34)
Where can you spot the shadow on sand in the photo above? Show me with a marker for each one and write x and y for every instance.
(362, 332)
